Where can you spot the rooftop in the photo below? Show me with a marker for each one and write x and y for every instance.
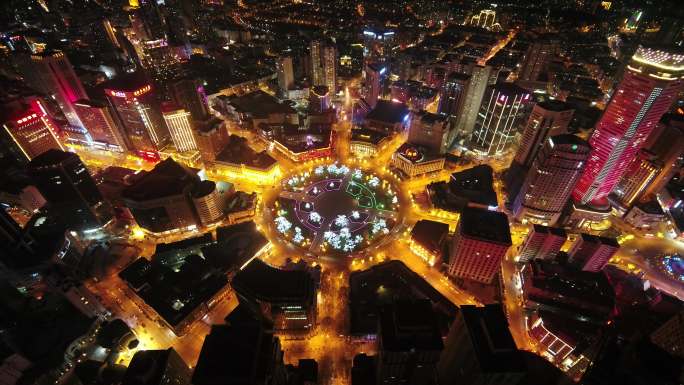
(259, 102)
(149, 367)
(385, 283)
(492, 341)
(388, 112)
(235, 356)
(486, 225)
(474, 185)
(264, 282)
(52, 157)
(366, 135)
(430, 234)
(238, 151)
(235, 246)
(167, 178)
(409, 326)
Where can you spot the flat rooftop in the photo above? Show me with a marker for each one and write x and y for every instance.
(267, 283)
(492, 341)
(238, 151)
(384, 283)
(367, 135)
(486, 225)
(388, 112)
(259, 103)
(406, 326)
(167, 178)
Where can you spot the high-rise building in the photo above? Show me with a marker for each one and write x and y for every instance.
(16, 242)
(480, 349)
(452, 94)
(180, 124)
(479, 79)
(482, 239)
(246, 353)
(103, 127)
(551, 178)
(157, 367)
(51, 73)
(32, 131)
(138, 109)
(537, 58)
(324, 64)
(667, 142)
(670, 335)
(285, 73)
(374, 73)
(430, 131)
(592, 253)
(409, 343)
(211, 137)
(542, 242)
(319, 99)
(189, 94)
(68, 188)
(650, 85)
(639, 175)
(547, 119)
(500, 113)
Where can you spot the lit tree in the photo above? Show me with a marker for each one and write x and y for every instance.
(341, 221)
(315, 217)
(282, 224)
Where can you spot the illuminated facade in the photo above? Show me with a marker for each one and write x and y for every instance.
(33, 132)
(373, 83)
(481, 241)
(500, 112)
(52, 73)
(479, 79)
(452, 94)
(189, 94)
(650, 85)
(542, 242)
(211, 137)
(592, 253)
(179, 123)
(285, 73)
(550, 180)
(103, 127)
(667, 142)
(324, 65)
(413, 160)
(546, 119)
(537, 59)
(430, 131)
(138, 110)
(639, 175)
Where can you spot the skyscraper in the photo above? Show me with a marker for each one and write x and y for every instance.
(137, 108)
(103, 127)
(285, 73)
(551, 178)
(189, 94)
(479, 79)
(639, 175)
(542, 242)
(452, 95)
(180, 125)
(32, 131)
(409, 343)
(500, 112)
(650, 85)
(324, 65)
(211, 137)
(667, 142)
(592, 253)
(537, 58)
(68, 188)
(157, 367)
(482, 239)
(546, 119)
(51, 73)
(374, 73)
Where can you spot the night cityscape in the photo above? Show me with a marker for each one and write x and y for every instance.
(371, 192)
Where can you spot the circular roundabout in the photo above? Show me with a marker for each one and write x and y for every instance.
(334, 210)
(673, 265)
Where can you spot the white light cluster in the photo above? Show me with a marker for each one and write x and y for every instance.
(342, 240)
(357, 174)
(282, 224)
(379, 226)
(298, 237)
(374, 182)
(355, 214)
(315, 217)
(341, 221)
(337, 170)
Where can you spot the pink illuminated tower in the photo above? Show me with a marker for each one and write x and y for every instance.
(649, 87)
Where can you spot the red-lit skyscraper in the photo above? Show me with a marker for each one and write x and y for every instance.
(482, 239)
(32, 130)
(103, 127)
(139, 111)
(551, 178)
(51, 73)
(649, 87)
